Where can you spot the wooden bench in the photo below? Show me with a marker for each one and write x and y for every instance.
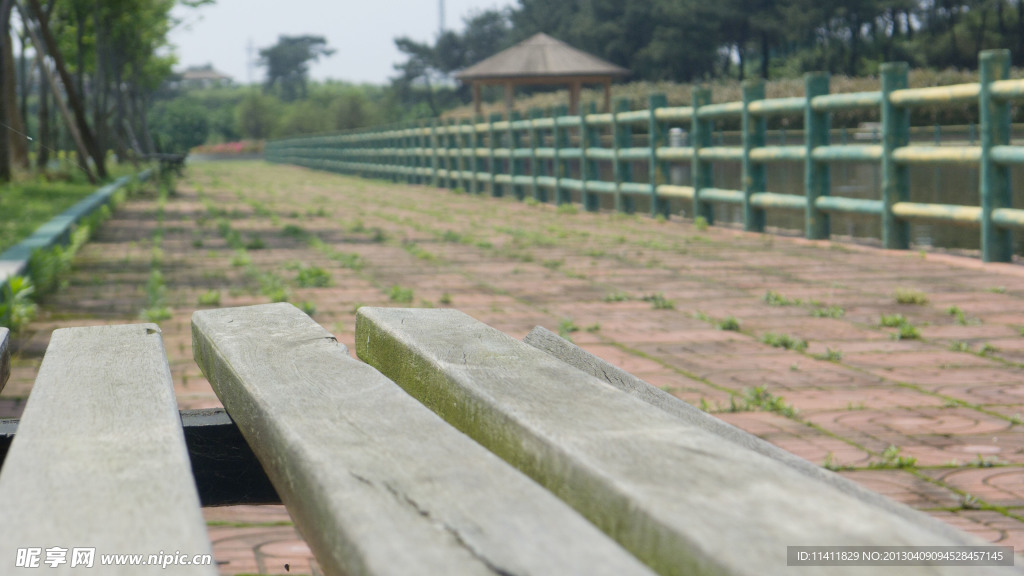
(454, 449)
(175, 162)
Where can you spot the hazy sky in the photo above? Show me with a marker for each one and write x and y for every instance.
(361, 32)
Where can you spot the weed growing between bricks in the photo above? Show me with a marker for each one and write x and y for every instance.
(156, 309)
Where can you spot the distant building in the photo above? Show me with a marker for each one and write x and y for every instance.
(542, 59)
(204, 77)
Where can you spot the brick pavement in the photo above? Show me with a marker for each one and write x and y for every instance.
(934, 421)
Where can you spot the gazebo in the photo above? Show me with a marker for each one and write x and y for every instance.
(542, 59)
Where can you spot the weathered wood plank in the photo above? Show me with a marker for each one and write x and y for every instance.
(99, 460)
(547, 341)
(225, 470)
(679, 497)
(5, 356)
(377, 483)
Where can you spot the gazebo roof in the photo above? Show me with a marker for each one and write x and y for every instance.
(540, 56)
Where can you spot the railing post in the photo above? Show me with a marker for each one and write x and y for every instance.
(656, 136)
(895, 178)
(700, 137)
(466, 156)
(753, 172)
(622, 136)
(816, 174)
(560, 141)
(996, 242)
(492, 136)
(421, 151)
(515, 164)
(589, 169)
(453, 148)
(435, 144)
(479, 164)
(535, 191)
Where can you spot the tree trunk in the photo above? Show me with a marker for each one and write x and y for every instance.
(6, 76)
(147, 137)
(15, 124)
(979, 39)
(1019, 52)
(50, 44)
(25, 72)
(45, 142)
(69, 121)
(99, 88)
(851, 69)
(764, 55)
(742, 55)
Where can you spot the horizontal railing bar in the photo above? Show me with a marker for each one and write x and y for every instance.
(600, 186)
(848, 205)
(1008, 89)
(719, 110)
(601, 153)
(634, 153)
(937, 154)
(721, 153)
(599, 119)
(1008, 154)
(847, 101)
(945, 212)
(721, 195)
(1008, 217)
(634, 188)
(675, 153)
(936, 95)
(677, 113)
(673, 191)
(848, 153)
(571, 184)
(777, 106)
(633, 117)
(776, 200)
(778, 153)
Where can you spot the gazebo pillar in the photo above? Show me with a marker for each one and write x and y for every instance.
(574, 97)
(510, 92)
(607, 95)
(476, 99)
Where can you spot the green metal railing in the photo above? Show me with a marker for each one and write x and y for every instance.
(493, 154)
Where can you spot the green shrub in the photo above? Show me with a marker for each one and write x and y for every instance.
(659, 302)
(313, 277)
(16, 307)
(400, 294)
(210, 298)
(730, 324)
(910, 296)
(784, 341)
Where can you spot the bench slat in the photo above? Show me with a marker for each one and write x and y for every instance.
(679, 497)
(377, 483)
(5, 357)
(547, 341)
(99, 460)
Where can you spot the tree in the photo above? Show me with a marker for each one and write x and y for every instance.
(257, 116)
(180, 124)
(288, 61)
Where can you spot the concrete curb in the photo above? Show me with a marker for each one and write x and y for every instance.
(14, 260)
